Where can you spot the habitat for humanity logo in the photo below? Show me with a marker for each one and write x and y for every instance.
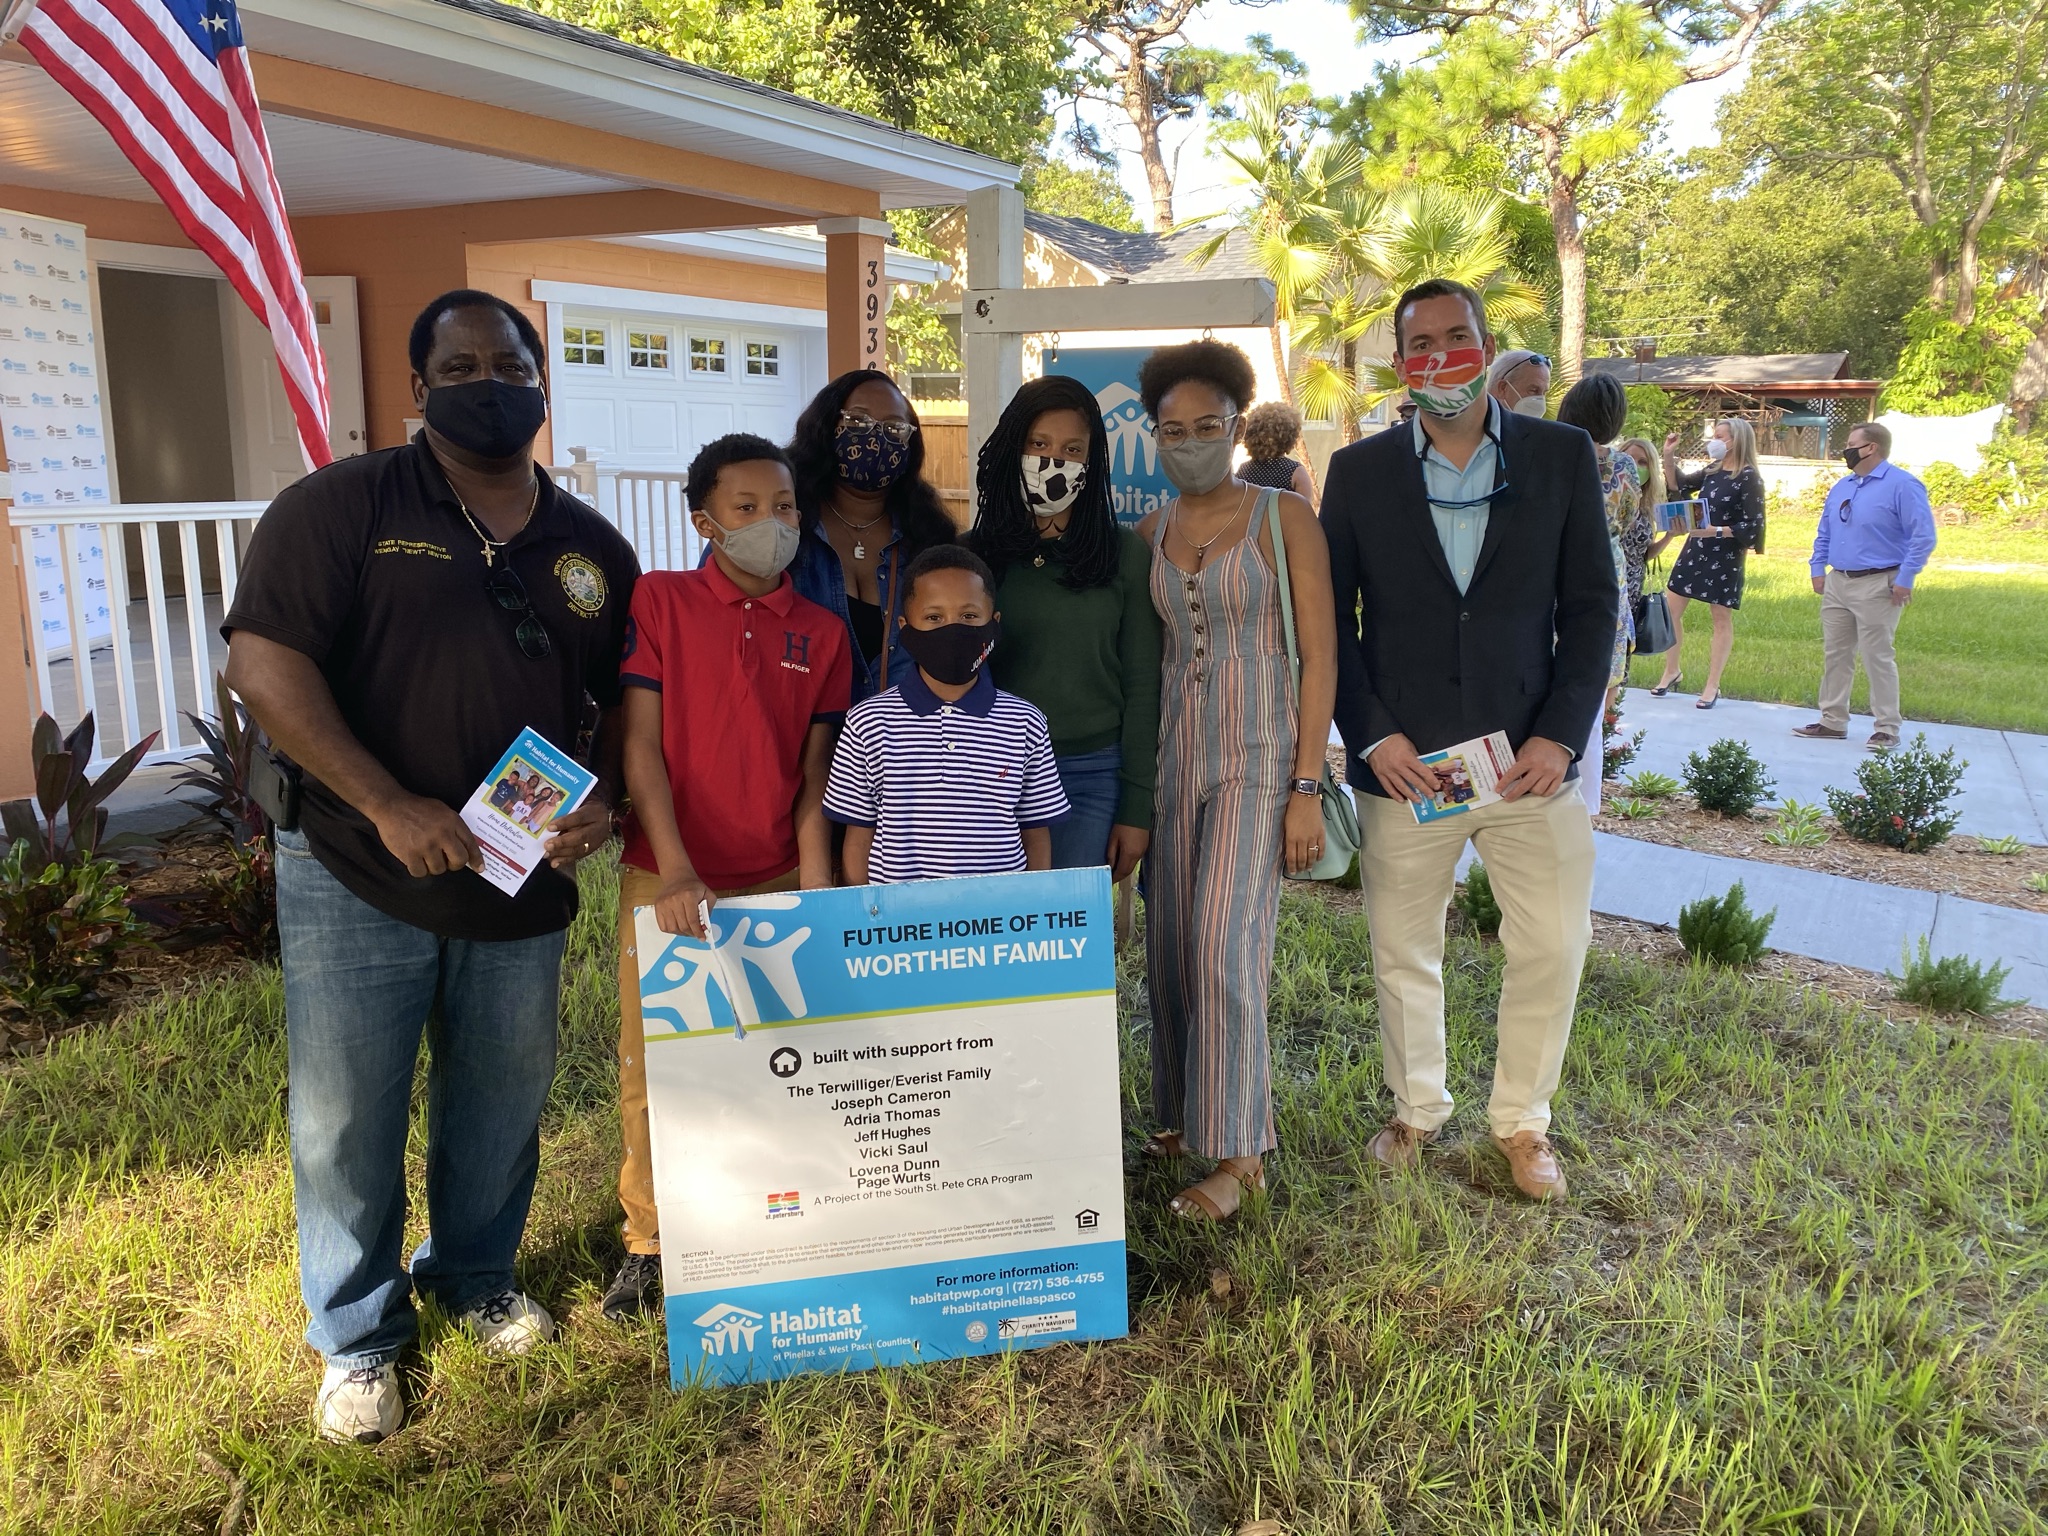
(695, 970)
(1130, 438)
(728, 1329)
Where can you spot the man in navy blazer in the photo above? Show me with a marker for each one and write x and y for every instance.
(1476, 592)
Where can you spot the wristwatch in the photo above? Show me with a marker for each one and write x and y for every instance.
(1308, 786)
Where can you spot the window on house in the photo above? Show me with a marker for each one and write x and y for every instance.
(647, 350)
(707, 355)
(583, 344)
(764, 359)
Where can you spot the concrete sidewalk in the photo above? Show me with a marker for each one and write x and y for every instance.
(2005, 787)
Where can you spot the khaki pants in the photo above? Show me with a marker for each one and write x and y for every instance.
(1539, 854)
(1858, 616)
(638, 888)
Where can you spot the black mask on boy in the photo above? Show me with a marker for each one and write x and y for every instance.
(952, 653)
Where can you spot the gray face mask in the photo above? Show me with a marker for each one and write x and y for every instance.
(1196, 467)
(760, 549)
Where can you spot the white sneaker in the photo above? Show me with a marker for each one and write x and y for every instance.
(509, 1323)
(359, 1406)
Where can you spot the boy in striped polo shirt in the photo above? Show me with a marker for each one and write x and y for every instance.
(945, 774)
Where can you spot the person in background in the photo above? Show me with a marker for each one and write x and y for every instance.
(1875, 536)
(1598, 407)
(1272, 432)
(943, 774)
(1241, 748)
(1710, 567)
(1644, 544)
(1475, 592)
(1520, 380)
(402, 616)
(858, 458)
(1080, 638)
(734, 686)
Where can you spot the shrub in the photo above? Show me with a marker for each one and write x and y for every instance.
(1649, 785)
(240, 900)
(2005, 846)
(61, 785)
(1629, 808)
(1902, 797)
(1948, 369)
(1617, 750)
(62, 928)
(2037, 881)
(1475, 900)
(1721, 930)
(1952, 984)
(1727, 779)
(1799, 826)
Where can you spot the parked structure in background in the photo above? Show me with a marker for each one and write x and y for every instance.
(1800, 404)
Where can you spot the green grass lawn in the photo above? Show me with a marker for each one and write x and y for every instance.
(1799, 1287)
(1971, 645)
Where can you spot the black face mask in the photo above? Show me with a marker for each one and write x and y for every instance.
(952, 653)
(486, 417)
(1853, 455)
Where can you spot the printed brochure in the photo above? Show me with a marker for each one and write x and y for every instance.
(514, 810)
(1469, 772)
(1679, 516)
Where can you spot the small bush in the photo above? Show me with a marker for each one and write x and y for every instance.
(1629, 808)
(2037, 881)
(1952, 984)
(1651, 785)
(1799, 826)
(1475, 900)
(1617, 749)
(1721, 930)
(62, 929)
(1902, 797)
(2004, 847)
(1727, 779)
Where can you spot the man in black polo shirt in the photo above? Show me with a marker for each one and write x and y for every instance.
(401, 617)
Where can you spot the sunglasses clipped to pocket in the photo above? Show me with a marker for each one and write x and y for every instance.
(509, 592)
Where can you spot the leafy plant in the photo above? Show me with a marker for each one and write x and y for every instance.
(1952, 984)
(1800, 825)
(1629, 808)
(1721, 930)
(1902, 797)
(1727, 779)
(1651, 785)
(2004, 846)
(2037, 881)
(239, 901)
(1475, 900)
(62, 929)
(223, 772)
(62, 785)
(1617, 751)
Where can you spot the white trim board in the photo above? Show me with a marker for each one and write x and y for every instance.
(125, 254)
(693, 306)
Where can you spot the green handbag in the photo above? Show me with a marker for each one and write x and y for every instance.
(1340, 816)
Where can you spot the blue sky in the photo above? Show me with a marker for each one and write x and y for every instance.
(1323, 34)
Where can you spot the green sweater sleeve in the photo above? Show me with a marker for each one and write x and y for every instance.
(1138, 648)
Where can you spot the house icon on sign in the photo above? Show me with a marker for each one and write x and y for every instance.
(1087, 1221)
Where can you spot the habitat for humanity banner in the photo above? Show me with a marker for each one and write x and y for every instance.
(1137, 487)
(51, 417)
(885, 1124)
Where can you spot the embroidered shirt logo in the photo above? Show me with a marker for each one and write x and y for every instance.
(796, 651)
(410, 547)
(582, 583)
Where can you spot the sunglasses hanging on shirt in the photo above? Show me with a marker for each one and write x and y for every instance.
(509, 592)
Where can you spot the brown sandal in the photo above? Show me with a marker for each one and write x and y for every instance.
(1217, 1197)
(1164, 1147)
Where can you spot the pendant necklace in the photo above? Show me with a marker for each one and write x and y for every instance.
(860, 548)
(1038, 560)
(491, 545)
(1202, 550)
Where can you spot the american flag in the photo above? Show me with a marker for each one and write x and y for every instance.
(169, 79)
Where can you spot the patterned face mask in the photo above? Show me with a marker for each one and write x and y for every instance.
(1052, 485)
(1445, 383)
(869, 458)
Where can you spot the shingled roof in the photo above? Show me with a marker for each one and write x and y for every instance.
(1136, 257)
(1767, 373)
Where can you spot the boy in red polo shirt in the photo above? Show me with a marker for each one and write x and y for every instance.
(734, 689)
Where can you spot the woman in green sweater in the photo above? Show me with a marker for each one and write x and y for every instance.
(1080, 637)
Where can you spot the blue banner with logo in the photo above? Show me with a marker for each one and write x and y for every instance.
(885, 1124)
(1137, 487)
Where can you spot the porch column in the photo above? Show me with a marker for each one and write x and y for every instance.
(995, 259)
(856, 294)
(18, 709)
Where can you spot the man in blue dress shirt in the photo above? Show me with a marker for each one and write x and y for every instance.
(1876, 532)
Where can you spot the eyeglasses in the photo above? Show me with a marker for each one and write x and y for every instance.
(509, 591)
(1205, 430)
(895, 431)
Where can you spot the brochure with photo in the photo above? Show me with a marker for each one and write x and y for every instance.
(1679, 516)
(515, 808)
(1469, 772)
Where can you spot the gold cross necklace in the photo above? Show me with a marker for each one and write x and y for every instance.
(491, 545)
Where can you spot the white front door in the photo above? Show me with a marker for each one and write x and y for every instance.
(646, 390)
(267, 437)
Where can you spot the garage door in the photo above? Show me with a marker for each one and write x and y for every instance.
(647, 390)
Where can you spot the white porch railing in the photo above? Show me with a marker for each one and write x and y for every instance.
(646, 505)
(159, 658)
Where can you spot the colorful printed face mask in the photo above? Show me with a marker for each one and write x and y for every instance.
(1445, 383)
(1052, 485)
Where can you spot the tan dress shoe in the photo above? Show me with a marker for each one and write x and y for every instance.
(1398, 1146)
(1533, 1162)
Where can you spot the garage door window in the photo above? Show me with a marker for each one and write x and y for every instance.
(764, 359)
(648, 351)
(707, 355)
(583, 345)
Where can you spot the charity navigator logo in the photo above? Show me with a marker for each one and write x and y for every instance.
(728, 1329)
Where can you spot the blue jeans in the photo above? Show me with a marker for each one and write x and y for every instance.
(1093, 789)
(360, 988)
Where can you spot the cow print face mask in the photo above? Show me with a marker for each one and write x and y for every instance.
(1051, 485)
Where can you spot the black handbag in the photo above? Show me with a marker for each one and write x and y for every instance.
(1655, 633)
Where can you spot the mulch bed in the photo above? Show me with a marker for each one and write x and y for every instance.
(1959, 867)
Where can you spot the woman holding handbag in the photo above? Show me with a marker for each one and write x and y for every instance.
(1241, 766)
